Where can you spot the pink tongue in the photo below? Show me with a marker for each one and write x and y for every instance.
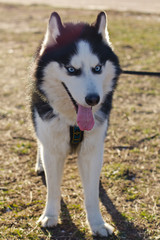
(85, 119)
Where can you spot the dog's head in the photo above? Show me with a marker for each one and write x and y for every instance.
(80, 56)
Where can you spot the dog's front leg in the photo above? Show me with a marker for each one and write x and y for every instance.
(39, 165)
(53, 162)
(90, 162)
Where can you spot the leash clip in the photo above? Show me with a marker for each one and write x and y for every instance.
(76, 135)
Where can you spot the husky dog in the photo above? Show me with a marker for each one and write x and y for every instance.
(75, 76)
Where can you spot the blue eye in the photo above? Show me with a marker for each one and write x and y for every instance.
(97, 69)
(71, 69)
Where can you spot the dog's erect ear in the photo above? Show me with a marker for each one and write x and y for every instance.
(54, 29)
(55, 25)
(101, 26)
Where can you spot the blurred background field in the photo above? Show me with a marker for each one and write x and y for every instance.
(130, 179)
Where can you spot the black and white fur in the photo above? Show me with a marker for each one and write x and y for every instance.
(66, 47)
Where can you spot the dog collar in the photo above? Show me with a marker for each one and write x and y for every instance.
(76, 135)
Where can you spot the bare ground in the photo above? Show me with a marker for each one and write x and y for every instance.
(130, 179)
(145, 6)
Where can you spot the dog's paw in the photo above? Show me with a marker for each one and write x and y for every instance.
(102, 230)
(48, 221)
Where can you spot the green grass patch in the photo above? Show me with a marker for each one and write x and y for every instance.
(147, 216)
(22, 148)
(119, 171)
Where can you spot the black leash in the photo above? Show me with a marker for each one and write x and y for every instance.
(76, 135)
(72, 99)
(155, 74)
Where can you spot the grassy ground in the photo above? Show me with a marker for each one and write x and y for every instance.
(130, 179)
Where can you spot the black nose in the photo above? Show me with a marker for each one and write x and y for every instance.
(92, 99)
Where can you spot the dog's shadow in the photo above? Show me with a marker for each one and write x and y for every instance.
(126, 229)
(68, 230)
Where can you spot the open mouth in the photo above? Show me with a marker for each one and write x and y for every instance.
(85, 118)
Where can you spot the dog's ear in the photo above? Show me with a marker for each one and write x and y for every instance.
(101, 26)
(54, 29)
(55, 25)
